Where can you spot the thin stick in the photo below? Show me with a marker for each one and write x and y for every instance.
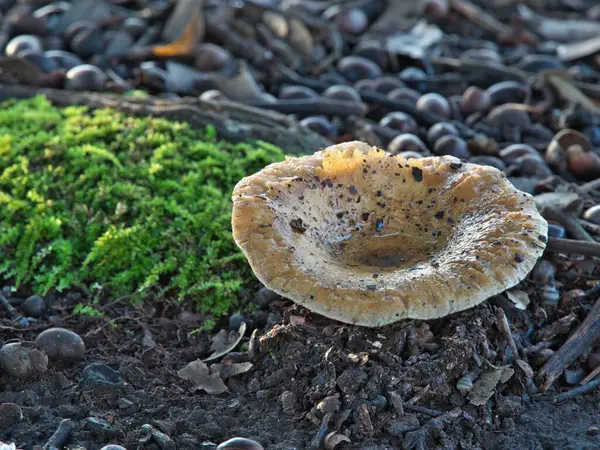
(590, 227)
(9, 308)
(590, 376)
(577, 391)
(313, 106)
(585, 248)
(587, 332)
(569, 221)
(505, 330)
(423, 410)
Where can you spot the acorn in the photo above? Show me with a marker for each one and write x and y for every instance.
(211, 58)
(374, 51)
(451, 145)
(356, 68)
(475, 100)
(584, 165)
(405, 94)
(351, 21)
(511, 153)
(385, 85)
(399, 121)
(556, 152)
(440, 130)
(406, 142)
(297, 92)
(509, 116)
(342, 92)
(320, 125)
(508, 92)
(434, 103)
(22, 43)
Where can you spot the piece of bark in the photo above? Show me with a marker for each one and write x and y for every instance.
(579, 247)
(584, 336)
(233, 121)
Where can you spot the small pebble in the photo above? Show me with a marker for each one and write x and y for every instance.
(85, 77)
(399, 121)
(34, 306)
(99, 426)
(264, 297)
(113, 447)
(235, 321)
(556, 230)
(10, 414)
(18, 361)
(593, 360)
(61, 344)
(593, 431)
(99, 376)
(574, 376)
(356, 68)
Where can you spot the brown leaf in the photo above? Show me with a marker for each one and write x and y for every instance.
(186, 43)
(519, 298)
(224, 342)
(199, 374)
(230, 369)
(484, 387)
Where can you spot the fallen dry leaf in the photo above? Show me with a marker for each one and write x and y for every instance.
(224, 342)
(484, 387)
(199, 374)
(229, 369)
(519, 298)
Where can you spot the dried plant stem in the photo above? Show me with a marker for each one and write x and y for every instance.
(585, 248)
(587, 332)
(505, 330)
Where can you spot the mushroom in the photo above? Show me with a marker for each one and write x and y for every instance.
(362, 236)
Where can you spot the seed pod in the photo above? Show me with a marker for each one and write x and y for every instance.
(405, 94)
(333, 439)
(585, 165)
(556, 152)
(374, 51)
(511, 153)
(239, 443)
(464, 384)
(399, 121)
(355, 68)
(451, 145)
(593, 214)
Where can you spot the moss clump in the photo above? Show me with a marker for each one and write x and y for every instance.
(98, 198)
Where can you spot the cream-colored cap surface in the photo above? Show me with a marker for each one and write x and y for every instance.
(365, 237)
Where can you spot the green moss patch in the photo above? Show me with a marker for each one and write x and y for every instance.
(100, 199)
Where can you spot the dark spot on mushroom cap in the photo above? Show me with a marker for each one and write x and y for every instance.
(61, 344)
(519, 258)
(417, 174)
(542, 238)
(298, 225)
(439, 215)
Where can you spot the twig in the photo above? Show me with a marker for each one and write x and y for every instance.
(577, 391)
(587, 332)
(61, 435)
(505, 330)
(494, 73)
(585, 248)
(314, 106)
(569, 221)
(9, 308)
(423, 410)
(590, 227)
(589, 186)
(488, 22)
(233, 121)
(593, 374)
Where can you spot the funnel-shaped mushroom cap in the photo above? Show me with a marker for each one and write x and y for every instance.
(365, 237)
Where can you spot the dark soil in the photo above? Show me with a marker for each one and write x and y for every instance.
(361, 379)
